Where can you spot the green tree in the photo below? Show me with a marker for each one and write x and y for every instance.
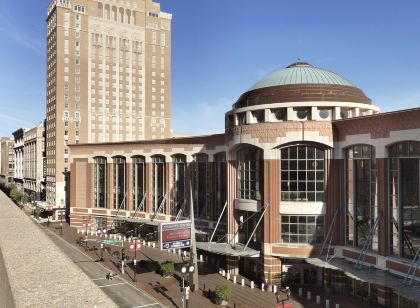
(15, 194)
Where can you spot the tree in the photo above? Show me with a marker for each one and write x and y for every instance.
(15, 194)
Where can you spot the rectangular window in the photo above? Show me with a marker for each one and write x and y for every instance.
(302, 229)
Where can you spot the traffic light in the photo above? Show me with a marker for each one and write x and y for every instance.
(123, 254)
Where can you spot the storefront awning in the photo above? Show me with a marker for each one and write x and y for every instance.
(228, 250)
(370, 275)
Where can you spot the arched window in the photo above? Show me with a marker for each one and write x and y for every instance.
(200, 180)
(404, 191)
(99, 182)
(179, 191)
(250, 173)
(361, 195)
(302, 173)
(158, 188)
(100, 12)
(139, 182)
(119, 194)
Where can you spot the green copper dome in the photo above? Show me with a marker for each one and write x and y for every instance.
(301, 73)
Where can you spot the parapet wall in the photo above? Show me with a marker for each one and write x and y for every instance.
(33, 270)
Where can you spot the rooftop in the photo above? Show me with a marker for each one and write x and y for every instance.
(301, 73)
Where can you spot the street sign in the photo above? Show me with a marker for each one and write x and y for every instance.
(175, 235)
(176, 244)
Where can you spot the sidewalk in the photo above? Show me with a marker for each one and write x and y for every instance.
(168, 291)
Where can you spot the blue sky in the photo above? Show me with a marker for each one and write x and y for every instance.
(220, 48)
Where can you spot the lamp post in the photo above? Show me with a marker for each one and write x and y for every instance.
(102, 252)
(186, 270)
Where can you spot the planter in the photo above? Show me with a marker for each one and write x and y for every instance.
(221, 302)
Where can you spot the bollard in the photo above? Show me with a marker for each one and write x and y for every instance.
(179, 251)
(242, 282)
(318, 300)
(262, 287)
(185, 253)
(327, 303)
(308, 295)
(337, 305)
(144, 243)
(153, 245)
(275, 289)
(234, 279)
(300, 292)
(252, 284)
(228, 276)
(201, 258)
(78, 231)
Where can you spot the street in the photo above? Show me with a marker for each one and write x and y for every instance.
(122, 292)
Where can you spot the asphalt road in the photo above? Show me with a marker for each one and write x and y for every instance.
(122, 292)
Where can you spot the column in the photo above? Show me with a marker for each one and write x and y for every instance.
(382, 178)
(272, 266)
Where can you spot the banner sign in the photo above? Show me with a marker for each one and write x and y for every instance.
(174, 235)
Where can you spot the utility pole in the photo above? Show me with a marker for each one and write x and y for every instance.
(193, 251)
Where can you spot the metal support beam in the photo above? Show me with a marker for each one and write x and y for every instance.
(218, 221)
(141, 205)
(329, 232)
(256, 226)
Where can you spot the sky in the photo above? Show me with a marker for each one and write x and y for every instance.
(220, 48)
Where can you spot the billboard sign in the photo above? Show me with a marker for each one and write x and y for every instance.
(174, 235)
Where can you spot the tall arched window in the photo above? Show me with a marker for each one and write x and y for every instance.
(179, 172)
(159, 180)
(302, 173)
(119, 171)
(361, 195)
(200, 180)
(404, 191)
(99, 182)
(250, 173)
(139, 181)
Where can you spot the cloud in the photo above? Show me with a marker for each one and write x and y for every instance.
(202, 118)
(8, 124)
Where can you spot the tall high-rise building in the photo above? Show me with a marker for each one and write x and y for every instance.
(108, 78)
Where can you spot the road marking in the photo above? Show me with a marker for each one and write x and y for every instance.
(98, 279)
(114, 284)
(146, 305)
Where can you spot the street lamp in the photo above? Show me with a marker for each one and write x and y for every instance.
(102, 252)
(186, 270)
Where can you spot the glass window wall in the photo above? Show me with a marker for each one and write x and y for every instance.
(404, 193)
(139, 182)
(159, 179)
(250, 173)
(302, 173)
(361, 191)
(100, 174)
(119, 184)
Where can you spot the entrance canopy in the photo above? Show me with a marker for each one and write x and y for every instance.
(370, 275)
(226, 249)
